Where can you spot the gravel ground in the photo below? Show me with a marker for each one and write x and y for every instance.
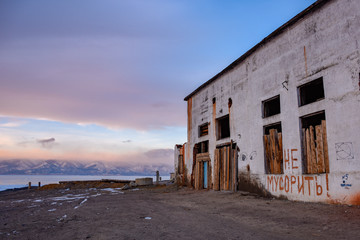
(168, 213)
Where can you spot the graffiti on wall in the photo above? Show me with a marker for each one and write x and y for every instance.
(290, 162)
(298, 184)
(345, 182)
(344, 151)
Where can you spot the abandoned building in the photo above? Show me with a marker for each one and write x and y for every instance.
(284, 118)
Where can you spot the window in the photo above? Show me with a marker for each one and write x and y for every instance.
(273, 149)
(311, 92)
(203, 147)
(223, 127)
(271, 106)
(204, 129)
(314, 143)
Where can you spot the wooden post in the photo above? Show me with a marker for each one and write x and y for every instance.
(326, 152)
(39, 184)
(29, 186)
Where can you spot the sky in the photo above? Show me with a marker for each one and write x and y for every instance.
(104, 80)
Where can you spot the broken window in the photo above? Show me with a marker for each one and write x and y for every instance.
(311, 92)
(271, 106)
(314, 144)
(273, 149)
(223, 127)
(204, 130)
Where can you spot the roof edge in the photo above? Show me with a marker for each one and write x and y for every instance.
(313, 7)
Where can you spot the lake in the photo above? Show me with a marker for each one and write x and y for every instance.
(18, 181)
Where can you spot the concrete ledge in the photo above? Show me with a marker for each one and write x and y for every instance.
(144, 181)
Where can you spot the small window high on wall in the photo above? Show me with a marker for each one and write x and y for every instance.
(311, 92)
(314, 143)
(203, 129)
(222, 127)
(273, 149)
(271, 106)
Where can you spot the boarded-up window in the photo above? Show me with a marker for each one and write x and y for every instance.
(271, 106)
(311, 92)
(314, 144)
(204, 130)
(273, 149)
(223, 127)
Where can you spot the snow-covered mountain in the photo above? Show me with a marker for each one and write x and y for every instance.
(59, 167)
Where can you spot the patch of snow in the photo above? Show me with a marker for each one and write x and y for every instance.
(83, 201)
(135, 189)
(52, 210)
(112, 190)
(38, 200)
(147, 218)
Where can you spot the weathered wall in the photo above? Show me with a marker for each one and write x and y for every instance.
(323, 44)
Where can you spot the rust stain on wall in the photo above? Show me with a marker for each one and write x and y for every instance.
(305, 58)
(189, 127)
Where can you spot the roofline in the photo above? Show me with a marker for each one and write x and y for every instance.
(313, 7)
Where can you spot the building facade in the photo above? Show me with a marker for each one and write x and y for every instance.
(284, 118)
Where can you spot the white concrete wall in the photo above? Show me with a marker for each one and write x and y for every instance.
(331, 38)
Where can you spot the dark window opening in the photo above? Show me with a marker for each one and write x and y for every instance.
(223, 127)
(273, 149)
(203, 147)
(314, 144)
(311, 92)
(271, 106)
(204, 130)
(276, 126)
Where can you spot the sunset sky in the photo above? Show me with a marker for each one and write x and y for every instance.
(104, 80)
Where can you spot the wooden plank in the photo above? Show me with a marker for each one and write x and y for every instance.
(222, 179)
(228, 168)
(280, 153)
(201, 176)
(308, 151)
(325, 145)
(313, 151)
(272, 151)
(216, 170)
(267, 157)
(224, 168)
(319, 150)
(303, 145)
(236, 169)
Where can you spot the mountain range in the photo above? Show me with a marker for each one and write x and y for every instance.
(60, 167)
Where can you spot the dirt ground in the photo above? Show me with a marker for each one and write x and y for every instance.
(168, 213)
